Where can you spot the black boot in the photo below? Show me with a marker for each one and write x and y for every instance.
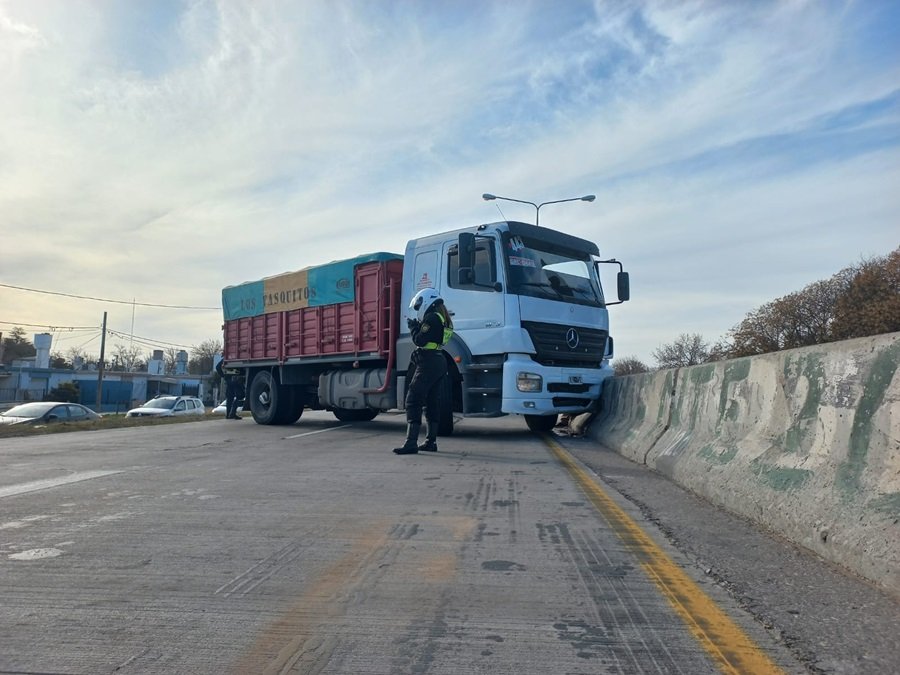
(412, 437)
(430, 444)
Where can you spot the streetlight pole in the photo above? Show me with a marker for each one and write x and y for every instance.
(537, 207)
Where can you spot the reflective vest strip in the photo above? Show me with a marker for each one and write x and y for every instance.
(448, 333)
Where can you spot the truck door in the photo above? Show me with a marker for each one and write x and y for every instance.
(425, 271)
(478, 308)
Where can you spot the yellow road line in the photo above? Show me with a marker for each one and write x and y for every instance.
(725, 642)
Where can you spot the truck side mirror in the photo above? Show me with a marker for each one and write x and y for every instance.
(466, 250)
(622, 286)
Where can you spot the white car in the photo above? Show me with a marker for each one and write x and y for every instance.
(220, 409)
(169, 406)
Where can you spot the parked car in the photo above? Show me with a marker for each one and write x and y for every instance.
(220, 409)
(47, 412)
(169, 406)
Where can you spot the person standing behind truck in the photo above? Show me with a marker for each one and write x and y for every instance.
(430, 328)
(234, 389)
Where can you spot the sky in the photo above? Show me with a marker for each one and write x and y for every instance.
(152, 153)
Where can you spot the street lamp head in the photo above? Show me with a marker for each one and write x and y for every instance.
(589, 198)
(488, 197)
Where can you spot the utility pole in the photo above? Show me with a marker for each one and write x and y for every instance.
(100, 369)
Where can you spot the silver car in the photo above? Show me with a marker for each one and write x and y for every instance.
(47, 412)
(169, 406)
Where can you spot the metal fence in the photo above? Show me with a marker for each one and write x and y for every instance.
(13, 395)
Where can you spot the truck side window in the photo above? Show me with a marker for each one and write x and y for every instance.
(484, 270)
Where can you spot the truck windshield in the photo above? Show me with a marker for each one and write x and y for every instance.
(540, 270)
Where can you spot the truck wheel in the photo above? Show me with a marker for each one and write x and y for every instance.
(445, 405)
(355, 415)
(293, 408)
(270, 402)
(541, 423)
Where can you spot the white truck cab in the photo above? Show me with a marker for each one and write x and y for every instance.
(531, 325)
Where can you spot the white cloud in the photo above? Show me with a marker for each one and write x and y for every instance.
(242, 140)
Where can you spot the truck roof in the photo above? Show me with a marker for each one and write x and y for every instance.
(519, 229)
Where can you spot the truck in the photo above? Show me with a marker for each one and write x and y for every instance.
(531, 328)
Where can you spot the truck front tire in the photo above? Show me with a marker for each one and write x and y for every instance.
(541, 423)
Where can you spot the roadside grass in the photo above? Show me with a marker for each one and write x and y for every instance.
(108, 422)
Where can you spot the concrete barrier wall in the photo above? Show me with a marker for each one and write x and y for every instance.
(805, 442)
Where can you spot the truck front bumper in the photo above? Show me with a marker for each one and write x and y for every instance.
(559, 390)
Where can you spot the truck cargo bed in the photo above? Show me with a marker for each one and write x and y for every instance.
(365, 326)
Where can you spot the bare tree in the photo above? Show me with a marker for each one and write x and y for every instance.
(77, 355)
(203, 357)
(687, 350)
(169, 357)
(629, 365)
(129, 357)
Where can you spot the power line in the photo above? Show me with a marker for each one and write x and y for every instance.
(120, 302)
(144, 340)
(43, 325)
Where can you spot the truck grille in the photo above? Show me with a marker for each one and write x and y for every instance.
(562, 345)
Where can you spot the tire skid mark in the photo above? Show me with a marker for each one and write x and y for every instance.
(724, 642)
(603, 571)
(514, 513)
(618, 622)
(265, 569)
(301, 640)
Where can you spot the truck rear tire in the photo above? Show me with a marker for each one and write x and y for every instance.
(355, 415)
(272, 402)
(541, 423)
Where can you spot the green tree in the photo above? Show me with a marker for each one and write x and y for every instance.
(57, 360)
(871, 303)
(17, 346)
(66, 391)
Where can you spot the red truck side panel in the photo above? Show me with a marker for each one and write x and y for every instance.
(367, 325)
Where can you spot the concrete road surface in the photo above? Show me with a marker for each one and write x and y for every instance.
(227, 547)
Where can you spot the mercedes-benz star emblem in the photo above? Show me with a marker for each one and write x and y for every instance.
(572, 338)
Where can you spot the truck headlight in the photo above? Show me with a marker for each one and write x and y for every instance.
(529, 382)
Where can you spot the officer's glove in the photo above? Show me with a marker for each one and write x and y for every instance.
(412, 324)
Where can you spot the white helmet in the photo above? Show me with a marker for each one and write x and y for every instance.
(422, 302)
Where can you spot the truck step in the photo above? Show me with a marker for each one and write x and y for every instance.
(483, 390)
(475, 367)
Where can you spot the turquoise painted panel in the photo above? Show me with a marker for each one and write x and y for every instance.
(328, 284)
(242, 301)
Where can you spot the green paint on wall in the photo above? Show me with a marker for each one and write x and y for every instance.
(791, 440)
(780, 478)
(710, 453)
(880, 375)
(887, 503)
(810, 367)
(663, 413)
(735, 371)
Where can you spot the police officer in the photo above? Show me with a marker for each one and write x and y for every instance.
(430, 328)
(234, 389)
